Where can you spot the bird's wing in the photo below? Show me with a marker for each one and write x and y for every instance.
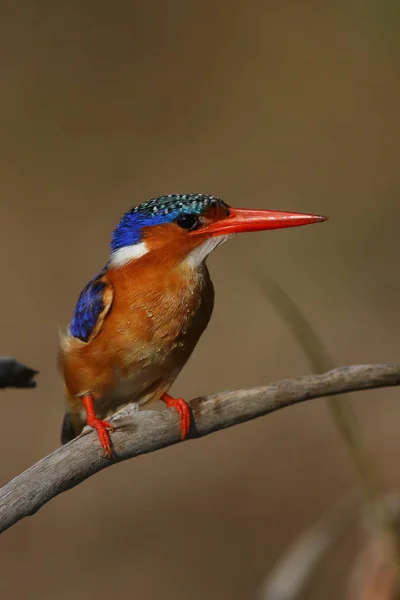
(91, 309)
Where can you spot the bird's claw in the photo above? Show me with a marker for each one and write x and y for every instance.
(102, 428)
(183, 409)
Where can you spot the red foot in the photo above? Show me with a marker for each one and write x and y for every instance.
(183, 409)
(99, 425)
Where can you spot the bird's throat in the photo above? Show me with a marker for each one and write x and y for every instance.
(198, 255)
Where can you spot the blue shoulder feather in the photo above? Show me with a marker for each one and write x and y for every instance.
(88, 308)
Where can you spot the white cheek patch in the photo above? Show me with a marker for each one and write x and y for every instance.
(199, 254)
(124, 255)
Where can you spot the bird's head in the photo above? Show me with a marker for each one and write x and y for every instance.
(189, 226)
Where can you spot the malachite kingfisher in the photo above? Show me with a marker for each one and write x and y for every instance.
(138, 321)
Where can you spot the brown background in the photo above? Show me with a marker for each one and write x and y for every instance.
(268, 104)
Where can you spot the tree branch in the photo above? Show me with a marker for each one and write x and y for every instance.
(15, 374)
(141, 432)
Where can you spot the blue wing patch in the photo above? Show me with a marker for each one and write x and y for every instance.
(88, 309)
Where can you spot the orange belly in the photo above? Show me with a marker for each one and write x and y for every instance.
(154, 323)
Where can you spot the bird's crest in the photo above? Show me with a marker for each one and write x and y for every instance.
(159, 211)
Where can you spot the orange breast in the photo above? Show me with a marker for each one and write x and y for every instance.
(154, 323)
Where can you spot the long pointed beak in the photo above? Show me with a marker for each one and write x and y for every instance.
(242, 219)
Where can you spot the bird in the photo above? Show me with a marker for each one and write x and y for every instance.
(137, 322)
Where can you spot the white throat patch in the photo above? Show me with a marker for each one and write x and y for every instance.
(124, 255)
(199, 254)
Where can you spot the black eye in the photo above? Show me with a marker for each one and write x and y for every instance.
(187, 221)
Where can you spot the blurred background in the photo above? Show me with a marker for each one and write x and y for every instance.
(290, 106)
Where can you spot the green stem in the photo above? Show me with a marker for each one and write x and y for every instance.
(341, 412)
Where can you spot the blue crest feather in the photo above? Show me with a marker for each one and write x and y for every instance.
(88, 308)
(158, 211)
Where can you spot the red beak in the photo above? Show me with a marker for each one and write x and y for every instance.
(242, 219)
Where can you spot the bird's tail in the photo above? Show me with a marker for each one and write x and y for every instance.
(70, 428)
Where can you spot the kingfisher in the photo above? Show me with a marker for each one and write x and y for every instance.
(137, 322)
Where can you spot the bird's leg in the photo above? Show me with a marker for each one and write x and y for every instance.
(99, 425)
(183, 409)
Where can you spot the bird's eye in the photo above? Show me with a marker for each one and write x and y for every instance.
(187, 221)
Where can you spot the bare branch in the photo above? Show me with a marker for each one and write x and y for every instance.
(15, 374)
(141, 432)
